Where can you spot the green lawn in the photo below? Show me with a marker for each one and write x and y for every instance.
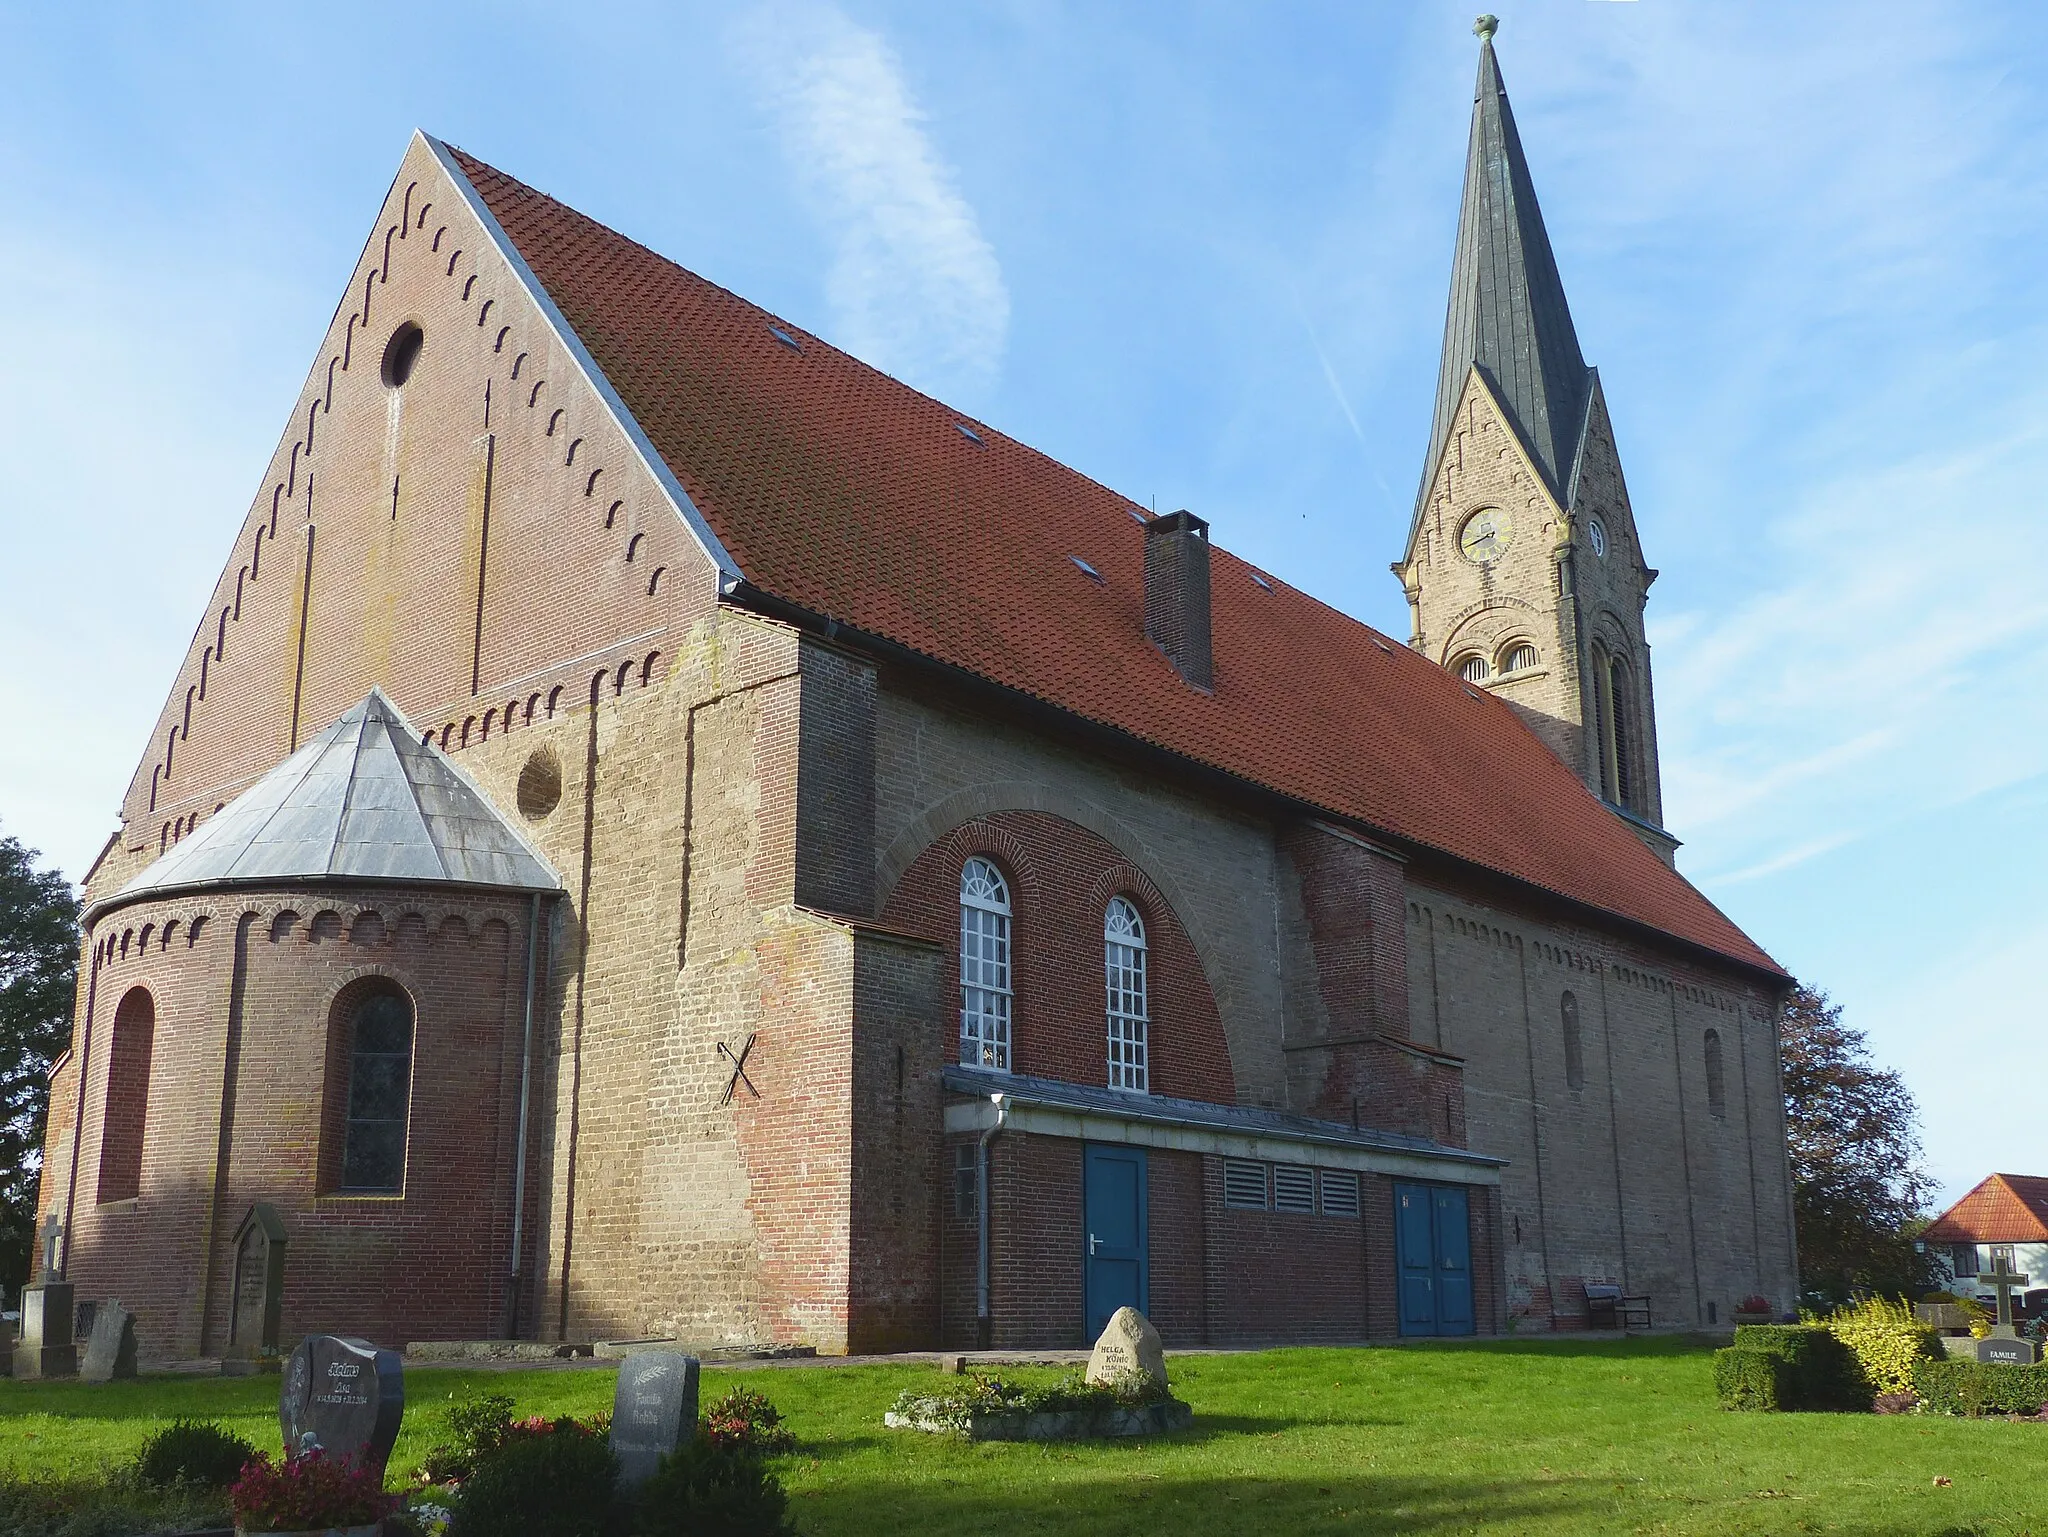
(1515, 1436)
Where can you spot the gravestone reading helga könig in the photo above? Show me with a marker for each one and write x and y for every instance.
(654, 1410)
(345, 1397)
(1129, 1348)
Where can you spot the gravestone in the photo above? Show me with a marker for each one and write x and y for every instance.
(256, 1303)
(47, 1347)
(2003, 1351)
(344, 1396)
(654, 1410)
(1129, 1347)
(110, 1348)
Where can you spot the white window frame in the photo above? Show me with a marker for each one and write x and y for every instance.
(986, 999)
(1129, 1005)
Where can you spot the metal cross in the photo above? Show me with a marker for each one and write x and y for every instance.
(2003, 1279)
(739, 1070)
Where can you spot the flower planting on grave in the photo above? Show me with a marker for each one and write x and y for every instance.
(308, 1493)
(990, 1408)
(746, 1421)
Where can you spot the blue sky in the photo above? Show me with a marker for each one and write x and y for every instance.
(1199, 252)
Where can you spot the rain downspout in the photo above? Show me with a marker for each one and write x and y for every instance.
(519, 1151)
(983, 1323)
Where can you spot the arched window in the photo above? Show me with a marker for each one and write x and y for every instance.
(380, 1029)
(121, 1130)
(1521, 656)
(1474, 669)
(984, 966)
(1574, 1043)
(1123, 952)
(1717, 1078)
(1614, 719)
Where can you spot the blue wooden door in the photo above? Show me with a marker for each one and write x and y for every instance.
(1115, 1258)
(1433, 1259)
(1415, 1251)
(1453, 1231)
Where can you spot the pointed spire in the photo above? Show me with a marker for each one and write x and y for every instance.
(1507, 311)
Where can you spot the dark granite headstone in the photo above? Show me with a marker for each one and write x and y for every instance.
(2006, 1351)
(110, 1348)
(344, 1396)
(654, 1410)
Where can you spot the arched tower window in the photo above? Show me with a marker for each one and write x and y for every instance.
(1717, 1079)
(1473, 669)
(1123, 951)
(1614, 727)
(985, 995)
(1574, 1042)
(122, 1128)
(377, 1020)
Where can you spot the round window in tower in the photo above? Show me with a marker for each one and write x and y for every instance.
(540, 785)
(1596, 535)
(401, 353)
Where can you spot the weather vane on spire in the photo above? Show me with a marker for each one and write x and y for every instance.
(1485, 27)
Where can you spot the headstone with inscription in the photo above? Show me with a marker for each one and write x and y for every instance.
(47, 1347)
(256, 1304)
(343, 1396)
(110, 1348)
(2005, 1347)
(654, 1410)
(1129, 1347)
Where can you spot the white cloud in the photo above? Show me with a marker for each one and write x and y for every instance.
(914, 286)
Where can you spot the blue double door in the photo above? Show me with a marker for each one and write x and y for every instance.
(1115, 1264)
(1433, 1258)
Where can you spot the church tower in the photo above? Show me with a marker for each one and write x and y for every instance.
(1523, 571)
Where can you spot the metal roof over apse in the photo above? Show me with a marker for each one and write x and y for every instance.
(1507, 311)
(364, 800)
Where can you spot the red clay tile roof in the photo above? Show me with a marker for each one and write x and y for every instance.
(2006, 1208)
(840, 490)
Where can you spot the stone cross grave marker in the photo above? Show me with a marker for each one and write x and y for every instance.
(110, 1348)
(1129, 1347)
(2005, 1347)
(344, 1396)
(53, 1236)
(654, 1410)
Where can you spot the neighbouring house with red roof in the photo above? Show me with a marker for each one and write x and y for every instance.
(2004, 1211)
(663, 830)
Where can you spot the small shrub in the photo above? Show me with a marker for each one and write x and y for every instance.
(1975, 1387)
(746, 1421)
(1887, 1340)
(704, 1489)
(978, 1394)
(1821, 1372)
(1752, 1380)
(307, 1493)
(476, 1427)
(540, 1482)
(193, 1452)
(56, 1507)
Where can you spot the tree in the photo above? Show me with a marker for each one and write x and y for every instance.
(38, 978)
(1859, 1194)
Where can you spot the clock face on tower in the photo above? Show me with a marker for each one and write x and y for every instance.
(1486, 535)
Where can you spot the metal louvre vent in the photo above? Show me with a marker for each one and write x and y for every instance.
(1340, 1194)
(1244, 1185)
(1294, 1188)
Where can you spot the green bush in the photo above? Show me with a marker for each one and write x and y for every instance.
(1752, 1379)
(476, 1427)
(1977, 1387)
(193, 1452)
(78, 1508)
(553, 1484)
(747, 1421)
(1820, 1372)
(1887, 1339)
(704, 1489)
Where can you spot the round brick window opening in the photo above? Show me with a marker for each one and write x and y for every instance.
(540, 785)
(401, 353)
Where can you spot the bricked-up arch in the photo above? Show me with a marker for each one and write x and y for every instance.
(1574, 1041)
(1061, 877)
(124, 1122)
(367, 1097)
(1717, 1075)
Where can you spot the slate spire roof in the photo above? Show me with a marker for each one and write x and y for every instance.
(364, 800)
(1507, 311)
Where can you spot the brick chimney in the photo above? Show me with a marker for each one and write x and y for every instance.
(1177, 593)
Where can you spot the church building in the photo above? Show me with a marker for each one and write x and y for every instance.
(664, 830)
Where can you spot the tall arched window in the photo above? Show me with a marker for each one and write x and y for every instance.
(984, 966)
(1613, 724)
(1717, 1080)
(122, 1128)
(380, 1034)
(1123, 952)
(1574, 1044)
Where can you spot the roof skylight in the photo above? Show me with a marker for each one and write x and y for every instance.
(785, 338)
(1089, 571)
(967, 432)
(1262, 581)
